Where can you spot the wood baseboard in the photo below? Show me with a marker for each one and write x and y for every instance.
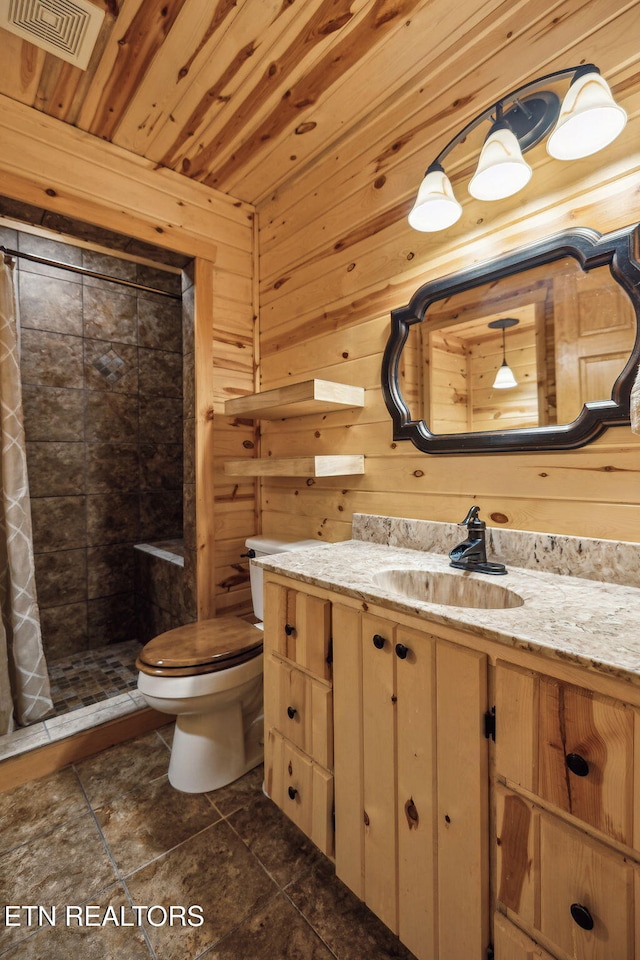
(15, 771)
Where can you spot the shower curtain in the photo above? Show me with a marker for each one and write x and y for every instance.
(24, 682)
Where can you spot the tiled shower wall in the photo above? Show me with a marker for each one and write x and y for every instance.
(102, 388)
(160, 587)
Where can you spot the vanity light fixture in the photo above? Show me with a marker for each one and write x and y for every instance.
(504, 377)
(587, 120)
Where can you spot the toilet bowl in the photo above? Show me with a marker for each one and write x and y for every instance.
(209, 675)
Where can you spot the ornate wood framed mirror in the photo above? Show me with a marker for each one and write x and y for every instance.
(561, 314)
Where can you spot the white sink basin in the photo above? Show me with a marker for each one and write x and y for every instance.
(452, 589)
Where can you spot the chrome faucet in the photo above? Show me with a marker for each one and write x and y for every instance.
(471, 554)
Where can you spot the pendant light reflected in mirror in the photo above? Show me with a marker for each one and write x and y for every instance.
(504, 378)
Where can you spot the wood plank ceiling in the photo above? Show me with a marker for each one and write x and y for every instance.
(205, 88)
(243, 95)
(211, 89)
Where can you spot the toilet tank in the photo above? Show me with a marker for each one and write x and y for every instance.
(261, 547)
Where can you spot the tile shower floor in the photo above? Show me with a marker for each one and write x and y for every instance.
(110, 834)
(86, 678)
(87, 690)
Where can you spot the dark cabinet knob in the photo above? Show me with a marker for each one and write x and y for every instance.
(582, 916)
(378, 641)
(288, 629)
(401, 651)
(291, 712)
(577, 764)
(293, 793)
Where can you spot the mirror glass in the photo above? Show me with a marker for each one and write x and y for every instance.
(574, 334)
(536, 349)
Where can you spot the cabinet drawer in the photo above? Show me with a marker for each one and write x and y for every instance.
(576, 892)
(582, 885)
(298, 627)
(569, 746)
(301, 788)
(301, 709)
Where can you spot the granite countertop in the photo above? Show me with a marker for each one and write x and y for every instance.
(582, 621)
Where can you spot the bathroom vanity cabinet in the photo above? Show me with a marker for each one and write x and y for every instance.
(407, 761)
(485, 798)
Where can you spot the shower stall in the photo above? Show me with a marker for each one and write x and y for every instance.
(105, 345)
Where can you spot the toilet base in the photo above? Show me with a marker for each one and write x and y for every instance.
(206, 756)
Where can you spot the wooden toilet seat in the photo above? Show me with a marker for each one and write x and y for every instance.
(202, 647)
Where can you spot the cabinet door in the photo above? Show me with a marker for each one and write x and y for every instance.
(398, 692)
(572, 747)
(463, 798)
(379, 774)
(416, 792)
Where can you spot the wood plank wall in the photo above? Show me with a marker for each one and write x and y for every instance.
(52, 165)
(336, 255)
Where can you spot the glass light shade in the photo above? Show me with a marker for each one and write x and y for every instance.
(436, 207)
(502, 171)
(504, 377)
(589, 119)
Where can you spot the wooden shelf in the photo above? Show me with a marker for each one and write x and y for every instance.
(338, 466)
(296, 400)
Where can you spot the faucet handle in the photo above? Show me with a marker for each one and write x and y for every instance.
(471, 518)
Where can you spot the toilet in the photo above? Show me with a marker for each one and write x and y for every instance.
(209, 675)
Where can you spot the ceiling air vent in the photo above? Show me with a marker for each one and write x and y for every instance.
(66, 28)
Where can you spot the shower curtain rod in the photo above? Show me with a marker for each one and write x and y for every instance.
(88, 273)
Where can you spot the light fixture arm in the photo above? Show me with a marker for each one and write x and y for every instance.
(498, 108)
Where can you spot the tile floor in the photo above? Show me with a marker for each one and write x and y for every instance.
(111, 834)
